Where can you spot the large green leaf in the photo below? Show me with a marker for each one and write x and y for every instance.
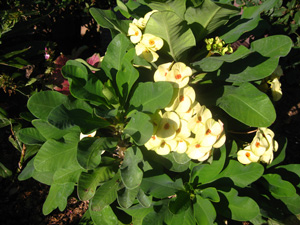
(242, 175)
(70, 174)
(184, 218)
(127, 196)
(209, 193)
(89, 181)
(131, 174)
(63, 118)
(127, 75)
(279, 187)
(161, 186)
(47, 130)
(54, 155)
(149, 96)
(144, 199)
(207, 18)
(174, 31)
(292, 203)
(113, 58)
(139, 128)
(57, 197)
(31, 136)
(180, 203)
(90, 150)
(104, 217)
(177, 6)
(204, 211)
(105, 194)
(205, 173)
(42, 103)
(248, 105)
(236, 207)
(108, 19)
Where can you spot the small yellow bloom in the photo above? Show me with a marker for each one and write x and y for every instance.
(87, 135)
(135, 33)
(246, 156)
(169, 125)
(179, 74)
(276, 89)
(141, 22)
(197, 122)
(162, 71)
(152, 42)
(142, 51)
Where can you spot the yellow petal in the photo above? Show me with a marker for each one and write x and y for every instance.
(246, 156)
(87, 135)
(135, 33)
(152, 42)
(168, 126)
(161, 72)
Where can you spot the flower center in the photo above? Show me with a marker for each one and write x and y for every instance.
(166, 126)
(181, 98)
(136, 33)
(208, 132)
(177, 76)
(153, 137)
(199, 119)
(257, 144)
(151, 42)
(197, 145)
(248, 154)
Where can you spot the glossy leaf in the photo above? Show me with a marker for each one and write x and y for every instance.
(279, 187)
(104, 217)
(208, 17)
(113, 58)
(248, 105)
(176, 6)
(205, 173)
(90, 150)
(131, 174)
(138, 213)
(42, 103)
(204, 211)
(54, 155)
(174, 31)
(47, 130)
(161, 186)
(70, 174)
(148, 97)
(210, 193)
(105, 194)
(127, 196)
(292, 203)
(184, 218)
(31, 136)
(88, 182)
(139, 128)
(242, 175)
(127, 75)
(143, 199)
(238, 208)
(57, 197)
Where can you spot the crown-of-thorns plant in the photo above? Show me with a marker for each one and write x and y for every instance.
(163, 131)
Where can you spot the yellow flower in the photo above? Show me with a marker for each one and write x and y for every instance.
(276, 89)
(135, 33)
(246, 156)
(153, 143)
(142, 51)
(198, 151)
(179, 74)
(166, 147)
(162, 71)
(169, 124)
(197, 122)
(87, 135)
(152, 42)
(141, 23)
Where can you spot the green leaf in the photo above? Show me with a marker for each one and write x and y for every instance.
(237, 208)
(180, 203)
(70, 174)
(210, 64)
(273, 46)
(292, 203)
(176, 6)
(31, 136)
(127, 75)
(279, 156)
(143, 199)
(104, 217)
(4, 172)
(115, 52)
(207, 18)
(131, 174)
(161, 186)
(139, 128)
(63, 118)
(127, 196)
(138, 213)
(107, 19)
(42, 103)
(47, 130)
(90, 150)
(149, 96)
(105, 194)
(184, 218)
(278, 187)
(57, 197)
(248, 105)
(88, 182)
(242, 175)
(210, 193)
(156, 217)
(54, 155)
(175, 32)
(204, 211)
(27, 172)
(205, 173)
(180, 158)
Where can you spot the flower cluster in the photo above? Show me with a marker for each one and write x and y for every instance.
(146, 44)
(260, 149)
(217, 46)
(184, 126)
